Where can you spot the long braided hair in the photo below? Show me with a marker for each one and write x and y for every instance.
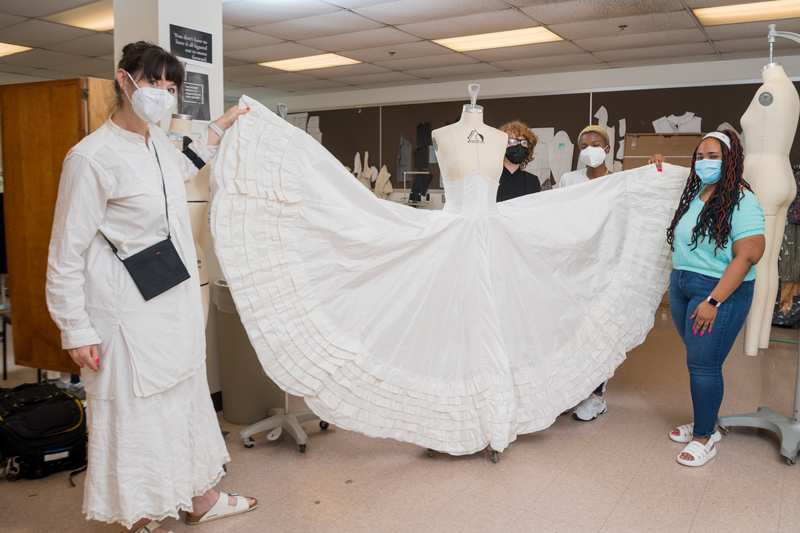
(714, 221)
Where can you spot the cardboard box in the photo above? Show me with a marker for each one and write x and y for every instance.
(677, 148)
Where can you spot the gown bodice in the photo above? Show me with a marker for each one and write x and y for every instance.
(471, 196)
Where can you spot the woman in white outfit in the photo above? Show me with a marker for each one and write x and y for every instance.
(155, 445)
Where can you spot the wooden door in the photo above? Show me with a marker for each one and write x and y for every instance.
(40, 122)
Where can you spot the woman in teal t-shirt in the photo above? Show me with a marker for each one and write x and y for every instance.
(717, 237)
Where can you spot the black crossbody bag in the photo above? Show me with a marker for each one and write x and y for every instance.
(158, 268)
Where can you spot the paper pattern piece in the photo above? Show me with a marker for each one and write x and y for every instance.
(540, 165)
(686, 123)
(559, 155)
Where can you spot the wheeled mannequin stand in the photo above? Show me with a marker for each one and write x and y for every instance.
(757, 327)
(787, 429)
(277, 422)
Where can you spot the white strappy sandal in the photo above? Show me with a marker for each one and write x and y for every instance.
(150, 527)
(222, 509)
(702, 453)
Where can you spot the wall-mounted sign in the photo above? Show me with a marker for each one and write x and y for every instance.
(195, 96)
(191, 44)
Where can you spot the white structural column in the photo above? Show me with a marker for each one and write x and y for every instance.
(150, 20)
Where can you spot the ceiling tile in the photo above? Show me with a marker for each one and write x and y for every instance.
(308, 85)
(97, 45)
(231, 85)
(411, 11)
(242, 38)
(590, 10)
(359, 69)
(353, 4)
(326, 91)
(273, 52)
(40, 8)
(230, 62)
(10, 20)
(758, 54)
(528, 50)
(99, 68)
(417, 81)
(334, 23)
(257, 92)
(473, 77)
(39, 58)
(502, 20)
(248, 71)
(695, 4)
(27, 71)
(647, 62)
(673, 20)
(277, 79)
(677, 50)
(351, 41)
(246, 13)
(546, 62)
(558, 69)
(755, 45)
(640, 40)
(444, 60)
(387, 77)
(752, 29)
(457, 70)
(399, 51)
(36, 33)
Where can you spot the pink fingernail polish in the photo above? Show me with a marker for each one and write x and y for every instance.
(701, 334)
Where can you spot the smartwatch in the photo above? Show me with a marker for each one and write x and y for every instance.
(713, 301)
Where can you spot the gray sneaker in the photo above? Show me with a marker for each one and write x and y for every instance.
(590, 408)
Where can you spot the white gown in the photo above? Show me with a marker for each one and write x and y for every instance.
(455, 329)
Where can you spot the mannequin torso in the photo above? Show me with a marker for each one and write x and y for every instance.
(470, 145)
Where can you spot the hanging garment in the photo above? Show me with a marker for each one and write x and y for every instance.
(424, 134)
(525, 306)
(404, 155)
(357, 168)
(383, 186)
(686, 123)
(421, 158)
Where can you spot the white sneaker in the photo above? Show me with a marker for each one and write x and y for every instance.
(590, 408)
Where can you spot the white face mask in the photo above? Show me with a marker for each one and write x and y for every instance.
(150, 103)
(593, 156)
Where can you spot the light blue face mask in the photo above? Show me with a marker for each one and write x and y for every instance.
(708, 170)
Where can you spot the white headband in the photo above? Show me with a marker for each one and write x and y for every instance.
(720, 137)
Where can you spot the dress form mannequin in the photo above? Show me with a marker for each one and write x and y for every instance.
(470, 145)
(197, 196)
(769, 126)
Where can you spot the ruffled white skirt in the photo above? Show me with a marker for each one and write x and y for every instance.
(148, 457)
(453, 330)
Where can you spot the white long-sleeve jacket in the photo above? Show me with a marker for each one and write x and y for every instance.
(111, 183)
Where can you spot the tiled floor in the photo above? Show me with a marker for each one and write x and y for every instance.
(617, 473)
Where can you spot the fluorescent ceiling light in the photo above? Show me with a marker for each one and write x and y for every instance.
(309, 62)
(8, 49)
(98, 16)
(775, 10)
(500, 39)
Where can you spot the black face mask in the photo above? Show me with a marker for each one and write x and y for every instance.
(517, 154)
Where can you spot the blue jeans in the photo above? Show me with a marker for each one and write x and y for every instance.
(705, 355)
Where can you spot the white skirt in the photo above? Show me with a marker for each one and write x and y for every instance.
(148, 457)
(451, 329)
